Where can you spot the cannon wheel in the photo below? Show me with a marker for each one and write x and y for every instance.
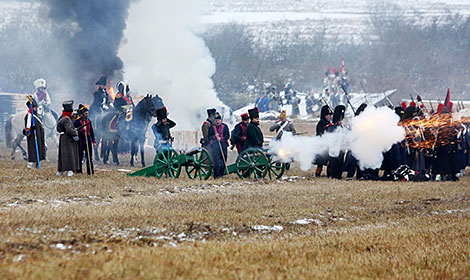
(252, 162)
(201, 166)
(167, 163)
(276, 168)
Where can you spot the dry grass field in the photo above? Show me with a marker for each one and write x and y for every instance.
(110, 226)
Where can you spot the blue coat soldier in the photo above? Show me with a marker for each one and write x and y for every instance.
(161, 130)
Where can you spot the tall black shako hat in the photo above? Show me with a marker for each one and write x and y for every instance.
(68, 106)
(211, 112)
(162, 113)
(400, 112)
(361, 108)
(338, 115)
(82, 109)
(254, 113)
(102, 81)
(325, 110)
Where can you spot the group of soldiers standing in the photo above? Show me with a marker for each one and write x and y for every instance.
(77, 137)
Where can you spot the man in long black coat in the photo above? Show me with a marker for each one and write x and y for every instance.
(322, 126)
(68, 141)
(34, 133)
(254, 135)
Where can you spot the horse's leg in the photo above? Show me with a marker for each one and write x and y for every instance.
(13, 148)
(18, 143)
(115, 144)
(142, 151)
(97, 155)
(133, 152)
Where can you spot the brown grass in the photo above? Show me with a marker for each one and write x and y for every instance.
(112, 226)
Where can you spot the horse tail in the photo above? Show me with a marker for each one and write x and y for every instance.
(8, 133)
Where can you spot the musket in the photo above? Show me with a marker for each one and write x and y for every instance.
(33, 126)
(432, 109)
(463, 107)
(347, 98)
(422, 103)
(89, 164)
(365, 95)
(326, 103)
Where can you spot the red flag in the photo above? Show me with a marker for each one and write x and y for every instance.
(446, 102)
(342, 66)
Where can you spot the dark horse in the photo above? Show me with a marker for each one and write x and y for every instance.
(134, 131)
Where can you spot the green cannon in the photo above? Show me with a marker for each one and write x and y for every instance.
(251, 163)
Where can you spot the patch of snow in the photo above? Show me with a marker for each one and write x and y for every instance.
(268, 228)
(307, 222)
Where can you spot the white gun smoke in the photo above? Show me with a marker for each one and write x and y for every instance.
(372, 133)
(163, 54)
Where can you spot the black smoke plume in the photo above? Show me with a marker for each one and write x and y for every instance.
(91, 32)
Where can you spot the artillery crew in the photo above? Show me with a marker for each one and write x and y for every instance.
(283, 124)
(68, 142)
(238, 137)
(34, 132)
(254, 135)
(86, 141)
(161, 130)
(219, 136)
(209, 122)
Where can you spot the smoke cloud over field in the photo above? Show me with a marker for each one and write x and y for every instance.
(372, 133)
(91, 32)
(163, 54)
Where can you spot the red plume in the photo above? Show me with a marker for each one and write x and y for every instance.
(403, 104)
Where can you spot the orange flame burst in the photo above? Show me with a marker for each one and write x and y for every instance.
(438, 130)
(111, 91)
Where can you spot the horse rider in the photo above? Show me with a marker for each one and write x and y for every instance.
(42, 97)
(101, 100)
(161, 130)
(123, 103)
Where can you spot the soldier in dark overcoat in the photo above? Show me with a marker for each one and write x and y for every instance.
(34, 132)
(68, 141)
(254, 135)
(322, 126)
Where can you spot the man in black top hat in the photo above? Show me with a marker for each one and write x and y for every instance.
(254, 135)
(208, 123)
(322, 126)
(68, 141)
(86, 141)
(335, 165)
(161, 130)
(34, 133)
